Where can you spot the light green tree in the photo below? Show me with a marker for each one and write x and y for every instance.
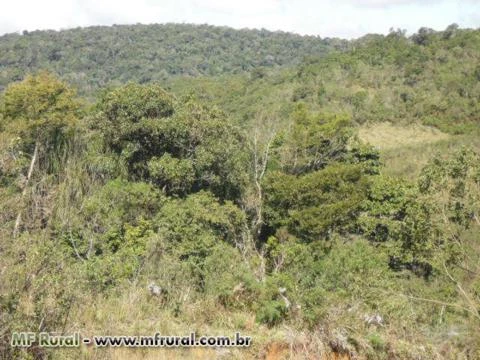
(38, 111)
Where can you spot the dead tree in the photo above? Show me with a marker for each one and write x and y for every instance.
(25, 189)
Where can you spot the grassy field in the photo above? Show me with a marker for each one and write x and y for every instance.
(405, 150)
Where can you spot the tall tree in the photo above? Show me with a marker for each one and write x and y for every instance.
(180, 145)
(38, 110)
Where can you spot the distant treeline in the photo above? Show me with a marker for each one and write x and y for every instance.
(431, 77)
(97, 56)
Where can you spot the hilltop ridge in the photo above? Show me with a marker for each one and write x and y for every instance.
(96, 56)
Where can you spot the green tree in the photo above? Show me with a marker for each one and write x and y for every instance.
(314, 205)
(39, 110)
(396, 215)
(315, 140)
(322, 179)
(173, 143)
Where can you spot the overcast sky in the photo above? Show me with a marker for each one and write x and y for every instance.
(327, 18)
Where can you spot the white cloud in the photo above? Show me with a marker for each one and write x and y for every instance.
(240, 6)
(389, 3)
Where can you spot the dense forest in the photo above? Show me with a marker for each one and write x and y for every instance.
(430, 78)
(95, 57)
(320, 196)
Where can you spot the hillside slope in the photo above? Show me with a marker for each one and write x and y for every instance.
(95, 56)
(431, 78)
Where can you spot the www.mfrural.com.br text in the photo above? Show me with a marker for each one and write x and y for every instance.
(49, 340)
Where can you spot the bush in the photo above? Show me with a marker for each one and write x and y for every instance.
(271, 313)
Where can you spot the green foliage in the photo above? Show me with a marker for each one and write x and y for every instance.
(119, 256)
(353, 268)
(376, 78)
(111, 236)
(173, 144)
(314, 205)
(42, 290)
(229, 278)
(454, 184)
(271, 313)
(376, 341)
(176, 175)
(324, 178)
(277, 212)
(190, 229)
(317, 275)
(95, 57)
(39, 106)
(40, 112)
(119, 202)
(386, 206)
(133, 102)
(315, 141)
(129, 120)
(395, 213)
(366, 155)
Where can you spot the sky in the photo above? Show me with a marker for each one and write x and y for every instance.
(326, 18)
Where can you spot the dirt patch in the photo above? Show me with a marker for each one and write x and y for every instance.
(282, 351)
(336, 356)
(277, 351)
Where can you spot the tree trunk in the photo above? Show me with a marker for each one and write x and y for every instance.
(25, 188)
(260, 166)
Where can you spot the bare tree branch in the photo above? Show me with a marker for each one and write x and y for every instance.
(24, 192)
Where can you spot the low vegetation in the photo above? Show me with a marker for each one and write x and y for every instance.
(327, 209)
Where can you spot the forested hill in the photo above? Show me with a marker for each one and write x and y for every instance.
(95, 56)
(430, 77)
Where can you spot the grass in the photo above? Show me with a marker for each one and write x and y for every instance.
(405, 150)
(134, 312)
(131, 311)
(386, 136)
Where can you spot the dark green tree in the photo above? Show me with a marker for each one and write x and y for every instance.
(179, 145)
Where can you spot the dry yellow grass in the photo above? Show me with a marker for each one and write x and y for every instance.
(385, 136)
(405, 150)
(134, 313)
